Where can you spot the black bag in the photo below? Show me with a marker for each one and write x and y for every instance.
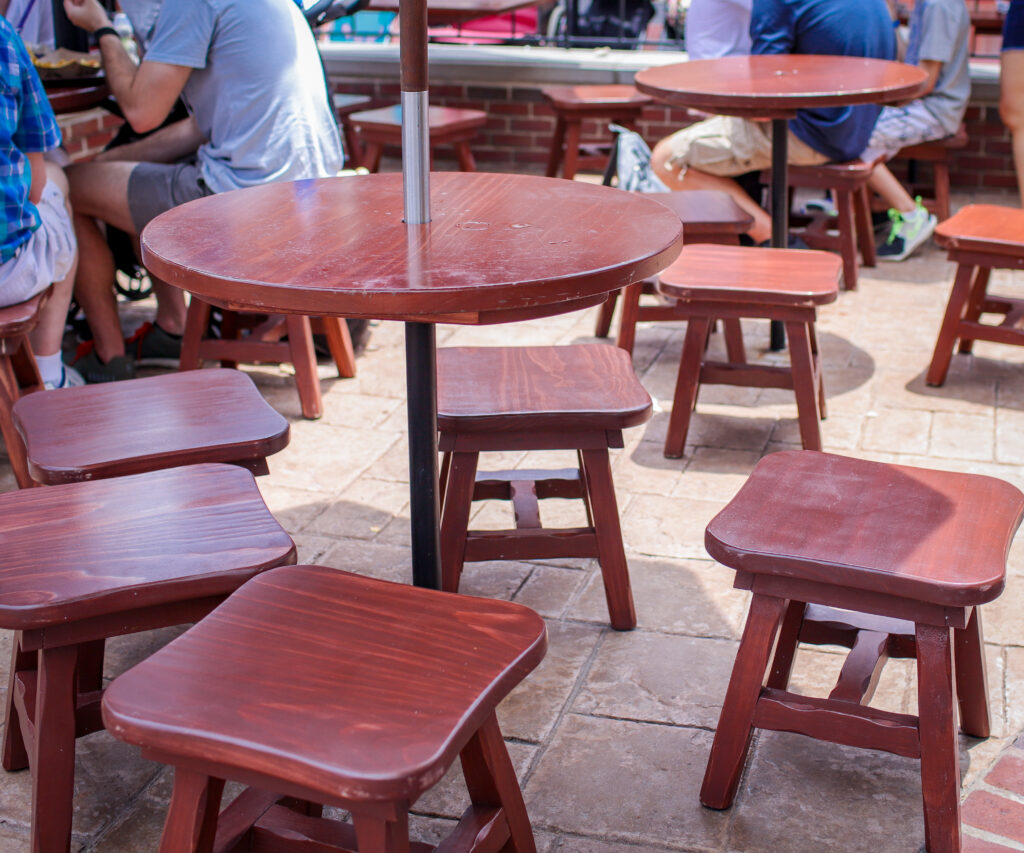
(621, 21)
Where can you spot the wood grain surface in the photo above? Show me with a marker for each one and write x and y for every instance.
(74, 551)
(341, 684)
(155, 422)
(337, 246)
(987, 228)
(775, 86)
(705, 212)
(515, 389)
(590, 98)
(932, 536)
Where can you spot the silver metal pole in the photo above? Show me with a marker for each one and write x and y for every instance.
(416, 157)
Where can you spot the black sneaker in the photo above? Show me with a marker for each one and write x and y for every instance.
(93, 370)
(151, 346)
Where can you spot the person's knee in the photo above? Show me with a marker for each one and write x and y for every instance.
(661, 157)
(1011, 110)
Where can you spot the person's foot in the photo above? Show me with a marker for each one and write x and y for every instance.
(909, 231)
(151, 346)
(94, 370)
(70, 378)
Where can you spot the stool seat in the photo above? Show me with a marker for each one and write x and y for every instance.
(446, 126)
(81, 550)
(513, 389)
(595, 98)
(705, 212)
(19, 375)
(21, 318)
(934, 536)
(987, 228)
(113, 429)
(948, 143)
(707, 273)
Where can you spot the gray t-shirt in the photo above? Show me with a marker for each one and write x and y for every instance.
(939, 30)
(257, 91)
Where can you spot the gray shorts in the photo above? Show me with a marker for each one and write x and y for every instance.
(154, 188)
(898, 127)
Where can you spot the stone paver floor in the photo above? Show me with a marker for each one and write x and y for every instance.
(611, 733)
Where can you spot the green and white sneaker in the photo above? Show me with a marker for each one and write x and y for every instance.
(909, 231)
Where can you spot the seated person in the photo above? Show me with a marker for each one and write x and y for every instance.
(1011, 84)
(938, 43)
(37, 242)
(717, 28)
(32, 19)
(257, 115)
(708, 154)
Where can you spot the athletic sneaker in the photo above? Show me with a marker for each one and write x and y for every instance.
(88, 364)
(151, 346)
(908, 232)
(69, 378)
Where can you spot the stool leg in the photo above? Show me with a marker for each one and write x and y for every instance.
(819, 374)
(787, 645)
(376, 835)
(196, 321)
(53, 758)
(90, 666)
(604, 318)
(300, 345)
(15, 754)
(940, 760)
(804, 384)
(339, 342)
(949, 330)
(557, 146)
(630, 315)
(491, 781)
(371, 156)
(687, 384)
(611, 554)
(941, 171)
(735, 724)
(15, 447)
(865, 230)
(972, 678)
(465, 156)
(734, 347)
(574, 130)
(974, 305)
(458, 501)
(191, 823)
(847, 238)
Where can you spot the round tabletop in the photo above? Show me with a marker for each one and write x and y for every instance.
(76, 97)
(499, 247)
(777, 85)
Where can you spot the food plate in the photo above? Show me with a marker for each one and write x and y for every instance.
(65, 67)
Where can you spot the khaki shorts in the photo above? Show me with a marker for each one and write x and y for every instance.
(730, 146)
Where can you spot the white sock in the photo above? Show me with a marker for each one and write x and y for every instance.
(915, 214)
(51, 368)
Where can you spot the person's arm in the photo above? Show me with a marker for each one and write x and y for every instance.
(931, 67)
(145, 93)
(166, 145)
(37, 163)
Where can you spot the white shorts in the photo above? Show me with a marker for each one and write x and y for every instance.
(898, 127)
(46, 257)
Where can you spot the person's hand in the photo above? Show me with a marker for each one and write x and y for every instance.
(87, 14)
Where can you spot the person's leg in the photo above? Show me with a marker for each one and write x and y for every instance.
(48, 334)
(1011, 106)
(885, 183)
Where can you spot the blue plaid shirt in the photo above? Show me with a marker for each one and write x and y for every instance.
(27, 125)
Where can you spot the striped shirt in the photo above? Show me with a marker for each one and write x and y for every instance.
(27, 125)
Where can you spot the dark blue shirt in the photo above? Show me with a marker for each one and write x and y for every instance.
(833, 28)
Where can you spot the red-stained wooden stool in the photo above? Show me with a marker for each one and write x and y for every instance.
(734, 282)
(447, 126)
(117, 428)
(708, 216)
(849, 185)
(888, 561)
(979, 238)
(19, 375)
(940, 154)
(249, 338)
(344, 106)
(338, 690)
(574, 104)
(536, 398)
(86, 561)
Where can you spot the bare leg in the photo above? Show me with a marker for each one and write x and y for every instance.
(170, 301)
(691, 179)
(1011, 107)
(47, 336)
(889, 188)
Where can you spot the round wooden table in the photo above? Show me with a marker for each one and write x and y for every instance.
(499, 248)
(77, 96)
(775, 86)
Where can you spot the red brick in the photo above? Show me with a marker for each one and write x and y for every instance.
(510, 109)
(995, 814)
(983, 164)
(1008, 774)
(1008, 180)
(532, 124)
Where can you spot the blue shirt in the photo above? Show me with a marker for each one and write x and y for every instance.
(833, 28)
(27, 125)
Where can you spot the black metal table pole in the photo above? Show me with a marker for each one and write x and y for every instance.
(421, 385)
(780, 208)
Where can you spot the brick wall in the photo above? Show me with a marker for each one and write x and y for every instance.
(85, 134)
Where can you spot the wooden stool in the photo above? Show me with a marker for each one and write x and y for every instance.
(447, 126)
(536, 398)
(344, 106)
(258, 339)
(912, 553)
(337, 690)
(849, 185)
(117, 428)
(573, 104)
(940, 154)
(733, 282)
(980, 238)
(19, 374)
(86, 561)
(708, 216)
